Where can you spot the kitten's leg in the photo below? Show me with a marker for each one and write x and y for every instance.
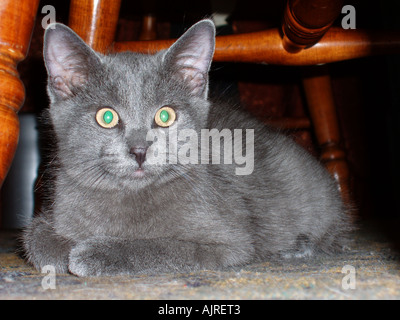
(44, 247)
(113, 256)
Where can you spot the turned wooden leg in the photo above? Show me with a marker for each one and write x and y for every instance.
(318, 92)
(16, 23)
(95, 21)
(306, 21)
(149, 27)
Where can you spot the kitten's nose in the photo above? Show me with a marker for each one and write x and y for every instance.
(140, 154)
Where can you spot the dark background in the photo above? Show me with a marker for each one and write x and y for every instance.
(366, 90)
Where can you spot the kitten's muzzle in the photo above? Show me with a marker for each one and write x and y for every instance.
(140, 154)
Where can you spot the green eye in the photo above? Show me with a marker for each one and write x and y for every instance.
(107, 117)
(165, 117)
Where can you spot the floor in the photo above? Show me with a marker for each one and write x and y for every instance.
(370, 269)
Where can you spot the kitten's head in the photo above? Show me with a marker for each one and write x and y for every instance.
(103, 106)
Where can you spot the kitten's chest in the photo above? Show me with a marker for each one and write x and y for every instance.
(137, 216)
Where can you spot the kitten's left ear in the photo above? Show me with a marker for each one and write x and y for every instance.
(191, 55)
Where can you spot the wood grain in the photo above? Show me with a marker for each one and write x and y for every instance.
(320, 101)
(306, 21)
(266, 47)
(17, 20)
(95, 21)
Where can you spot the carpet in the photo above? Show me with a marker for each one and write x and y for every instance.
(370, 269)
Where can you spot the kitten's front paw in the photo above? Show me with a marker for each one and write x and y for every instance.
(90, 259)
(83, 261)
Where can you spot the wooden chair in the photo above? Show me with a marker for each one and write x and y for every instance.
(305, 38)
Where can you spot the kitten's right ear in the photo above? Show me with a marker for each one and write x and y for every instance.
(68, 60)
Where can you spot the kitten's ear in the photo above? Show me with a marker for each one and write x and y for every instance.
(68, 59)
(191, 55)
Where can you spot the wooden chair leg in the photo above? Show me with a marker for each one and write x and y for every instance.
(95, 21)
(149, 28)
(17, 21)
(318, 92)
(306, 21)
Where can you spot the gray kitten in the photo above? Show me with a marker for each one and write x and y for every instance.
(130, 197)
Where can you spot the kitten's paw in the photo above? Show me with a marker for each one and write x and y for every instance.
(82, 261)
(91, 259)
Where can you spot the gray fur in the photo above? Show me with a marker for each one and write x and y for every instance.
(104, 220)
